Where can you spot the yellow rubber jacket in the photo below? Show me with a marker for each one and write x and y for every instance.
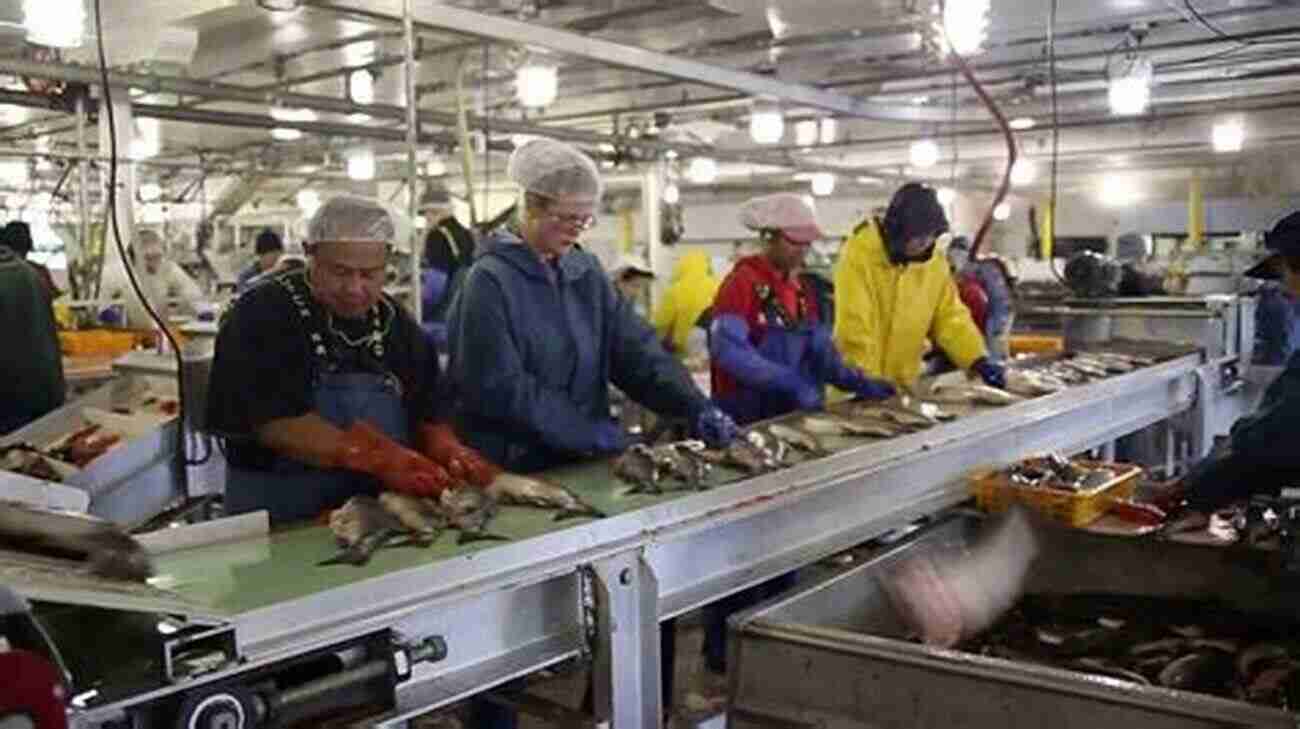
(884, 311)
(690, 293)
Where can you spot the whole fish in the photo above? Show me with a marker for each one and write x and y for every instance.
(361, 526)
(743, 455)
(104, 548)
(797, 438)
(1103, 668)
(898, 417)
(1202, 671)
(973, 392)
(1032, 384)
(421, 516)
(510, 488)
(638, 467)
(1086, 368)
(928, 411)
(469, 509)
(772, 450)
(681, 464)
(827, 424)
(1257, 655)
(693, 452)
(1111, 364)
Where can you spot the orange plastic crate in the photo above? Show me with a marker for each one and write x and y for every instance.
(1035, 344)
(97, 342)
(995, 492)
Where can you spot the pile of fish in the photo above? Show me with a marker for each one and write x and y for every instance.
(1079, 368)
(365, 524)
(101, 546)
(1153, 641)
(1055, 471)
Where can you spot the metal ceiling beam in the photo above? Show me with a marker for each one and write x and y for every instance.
(497, 28)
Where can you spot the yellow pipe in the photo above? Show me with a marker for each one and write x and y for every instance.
(1045, 242)
(1195, 212)
(626, 231)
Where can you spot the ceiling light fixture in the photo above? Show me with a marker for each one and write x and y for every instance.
(1130, 86)
(435, 167)
(966, 22)
(13, 172)
(285, 134)
(1022, 123)
(279, 6)
(285, 114)
(150, 191)
(672, 193)
(361, 164)
(830, 130)
(1118, 190)
(536, 86)
(946, 196)
(307, 200)
(702, 171)
(924, 153)
(805, 133)
(55, 23)
(823, 184)
(361, 86)
(766, 125)
(1023, 172)
(1228, 136)
(1002, 211)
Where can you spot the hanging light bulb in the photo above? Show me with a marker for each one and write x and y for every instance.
(946, 196)
(1002, 211)
(702, 171)
(307, 200)
(830, 130)
(805, 133)
(55, 23)
(924, 153)
(1022, 123)
(823, 184)
(361, 86)
(1023, 172)
(536, 85)
(361, 164)
(766, 125)
(435, 167)
(285, 134)
(672, 194)
(966, 23)
(1228, 136)
(150, 191)
(1130, 86)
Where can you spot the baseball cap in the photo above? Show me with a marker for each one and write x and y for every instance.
(1282, 240)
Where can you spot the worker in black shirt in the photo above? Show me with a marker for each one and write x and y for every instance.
(448, 245)
(323, 387)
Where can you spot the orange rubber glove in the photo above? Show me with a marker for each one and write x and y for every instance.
(439, 442)
(366, 449)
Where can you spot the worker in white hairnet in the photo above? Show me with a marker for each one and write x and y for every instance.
(632, 277)
(538, 334)
(324, 387)
(166, 285)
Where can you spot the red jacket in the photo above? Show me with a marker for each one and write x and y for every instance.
(751, 282)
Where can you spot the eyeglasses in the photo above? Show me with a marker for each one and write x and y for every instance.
(573, 220)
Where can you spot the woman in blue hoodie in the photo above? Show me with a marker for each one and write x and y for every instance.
(539, 332)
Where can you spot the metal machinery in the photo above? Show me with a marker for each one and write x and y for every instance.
(259, 605)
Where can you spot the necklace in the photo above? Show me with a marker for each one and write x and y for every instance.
(381, 320)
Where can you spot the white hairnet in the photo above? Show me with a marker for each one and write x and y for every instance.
(784, 211)
(555, 170)
(147, 241)
(353, 219)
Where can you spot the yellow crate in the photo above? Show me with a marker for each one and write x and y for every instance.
(92, 342)
(995, 492)
(1035, 344)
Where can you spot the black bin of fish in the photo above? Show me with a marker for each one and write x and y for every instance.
(1110, 632)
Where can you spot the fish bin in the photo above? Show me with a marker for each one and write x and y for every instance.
(1109, 632)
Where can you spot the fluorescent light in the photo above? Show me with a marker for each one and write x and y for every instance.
(361, 164)
(1002, 211)
(1023, 172)
(308, 200)
(829, 130)
(967, 24)
(1228, 136)
(537, 86)
(150, 191)
(435, 167)
(361, 86)
(148, 140)
(1118, 190)
(924, 153)
(285, 134)
(359, 118)
(805, 133)
(766, 126)
(823, 184)
(13, 172)
(1130, 88)
(55, 23)
(672, 193)
(702, 171)
(1022, 123)
(285, 114)
(946, 195)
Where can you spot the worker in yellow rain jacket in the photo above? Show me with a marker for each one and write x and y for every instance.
(691, 292)
(892, 292)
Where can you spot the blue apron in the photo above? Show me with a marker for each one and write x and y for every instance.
(787, 339)
(293, 491)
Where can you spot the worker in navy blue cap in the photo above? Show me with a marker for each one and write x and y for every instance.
(1259, 455)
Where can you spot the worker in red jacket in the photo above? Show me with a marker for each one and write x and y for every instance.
(771, 351)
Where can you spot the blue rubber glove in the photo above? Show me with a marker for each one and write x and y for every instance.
(716, 428)
(610, 438)
(992, 374)
(866, 388)
(806, 395)
(110, 316)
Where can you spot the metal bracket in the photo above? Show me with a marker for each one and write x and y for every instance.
(627, 680)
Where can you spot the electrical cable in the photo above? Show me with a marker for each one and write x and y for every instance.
(1056, 141)
(181, 444)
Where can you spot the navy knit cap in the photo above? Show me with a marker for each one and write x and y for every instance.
(914, 212)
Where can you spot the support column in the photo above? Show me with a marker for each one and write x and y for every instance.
(83, 202)
(125, 132)
(626, 678)
(652, 189)
(412, 141)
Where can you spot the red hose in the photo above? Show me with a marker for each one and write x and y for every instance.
(1006, 133)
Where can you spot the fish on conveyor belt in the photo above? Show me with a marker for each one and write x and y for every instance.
(1198, 671)
(421, 516)
(682, 462)
(362, 526)
(898, 417)
(913, 405)
(1084, 367)
(973, 392)
(511, 488)
(105, 549)
(797, 438)
(469, 509)
(774, 451)
(829, 424)
(695, 453)
(639, 467)
(1113, 364)
(1101, 667)
(1032, 383)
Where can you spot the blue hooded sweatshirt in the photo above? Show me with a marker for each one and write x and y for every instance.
(534, 347)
